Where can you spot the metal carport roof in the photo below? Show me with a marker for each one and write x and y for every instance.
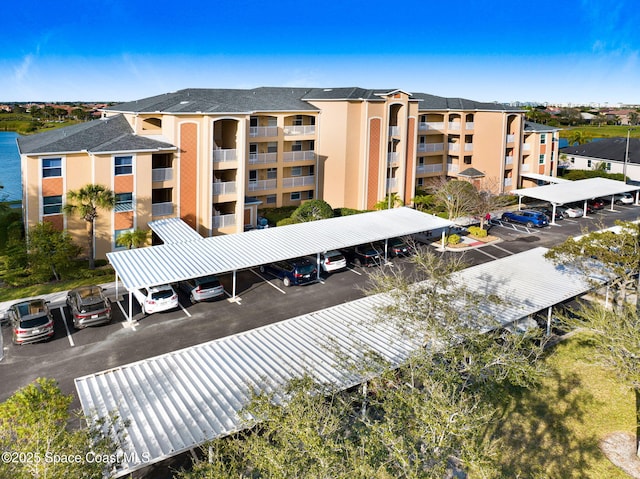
(547, 178)
(174, 230)
(177, 261)
(579, 190)
(180, 400)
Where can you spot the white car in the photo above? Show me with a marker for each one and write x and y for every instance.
(331, 261)
(569, 212)
(201, 289)
(622, 198)
(156, 298)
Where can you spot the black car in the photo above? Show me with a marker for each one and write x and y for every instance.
(364, 255)
(293, 271)
(395, 247)
(549, 212)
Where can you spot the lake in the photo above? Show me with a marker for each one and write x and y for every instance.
(10, 166)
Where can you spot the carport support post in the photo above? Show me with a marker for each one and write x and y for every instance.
(549, 320)
(233, 295)
(443, 237)
(612, 198)
(116, 286)
(585, 209)
(130, 318)
(318, 266)
(553, 214)
(386, 248)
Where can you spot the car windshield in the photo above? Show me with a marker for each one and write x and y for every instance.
(334, 256)
(97, 306)
(34, 322)
(162, 294)
(209, 283)
(305, 268)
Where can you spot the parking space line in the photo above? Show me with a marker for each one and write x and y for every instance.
(480, 250)
(267, 281)
(124, 325)
(501, 249)
(64, 321)
(183, 309)
(354, 271)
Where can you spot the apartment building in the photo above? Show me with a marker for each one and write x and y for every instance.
(213, 156)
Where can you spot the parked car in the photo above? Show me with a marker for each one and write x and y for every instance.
(529, 218)
(548, 212)
(201, 289)
(596, 204)
(331, 261)
(619, 199)
(157, 298)
(364, 255)
(580, 206)
(570, 212)
(292, 271)
(395, 247)
(31, 321)
(88, 306)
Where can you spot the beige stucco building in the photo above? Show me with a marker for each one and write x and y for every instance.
(213, 156)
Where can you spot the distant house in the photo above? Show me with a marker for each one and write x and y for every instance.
(610, 151)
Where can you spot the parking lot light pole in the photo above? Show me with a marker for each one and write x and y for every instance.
(626, 157)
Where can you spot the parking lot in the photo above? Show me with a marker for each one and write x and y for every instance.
(261, 300)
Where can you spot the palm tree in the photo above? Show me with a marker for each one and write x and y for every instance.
(85, 202)
(133, 239)
(579, 137)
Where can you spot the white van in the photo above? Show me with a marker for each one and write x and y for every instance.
(156, 298)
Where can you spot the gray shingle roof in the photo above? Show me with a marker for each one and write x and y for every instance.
(532, 126)
(471, 173)
(349, 93)
(607, 149)
(438, 103)
(104, 135)
(210, 100)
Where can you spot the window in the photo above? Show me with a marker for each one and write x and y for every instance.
(272, 147)
(253, 121)
(51, 205)
(117, 234)
(161, 195)
(253, 175)
(253, 148)
(51, 167)
(543, 138)
(420, 182)
(296, 146)
(296, 171)
(272, 173)
(588, 163)
(297, 121)
(541, 159)
(309, 194)
(124, 202)
(608, 166)
(467, 160)
(311, 170)
(123, 165)
(295, 196)
(271, 199)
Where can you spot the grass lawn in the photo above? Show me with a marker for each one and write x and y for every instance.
(604, 131)
(554, 430)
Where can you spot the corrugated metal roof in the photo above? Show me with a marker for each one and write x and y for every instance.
(174, 230)
(182, 399)
(579, 190)
(550, 179)
(170, 263)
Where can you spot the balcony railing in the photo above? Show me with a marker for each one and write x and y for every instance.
(430, 147)
(431, 125)
(469, 125)
(511, 138)
(508, 160)
(224, 187)
(526, 147)
(507, 181)
(454, 125)
(392, 157)
(454, 147)
(262, 158)
(222, 221)
(394, 131)
(300, 129)
(296, 181)
(224, 154)
(259, 185)
(299, 155)
(262, 131)
(524, 167)
(161, 174)
(435, 168)
(161, 209)
(451, 168)
(468, 147)
(392, 184)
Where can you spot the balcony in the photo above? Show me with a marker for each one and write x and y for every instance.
(508, 160)
(262, 158)
(469, 125)
(526, 147)
(468, 147)
(162, 209)
(454, 147)
(299, 155)
(392, 184)
(451, 168)
(260, 185)
(224, 187)
(221, 155)
(161, 174)
(524, 167)
(431, 125)
(297, 181)
(511, 138)
(222, 221)
(454, 125)
(392, 158)
(263, 131)
(394, 131)
(430, 147)
(435, 168)
(507, 181)
(300, 130)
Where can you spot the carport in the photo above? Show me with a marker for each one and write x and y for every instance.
(196, 257)
(541, 177)
(574, 191)
(178, 401)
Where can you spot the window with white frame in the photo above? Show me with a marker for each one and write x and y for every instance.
(124, 202)
(588, 163)
(296, 171)
(543, 138)
(253, 175)
(608, 166)
(272, 173)
(296, 146)
(51, 167)
(123, 165)
(52, 205)
(308, 194)
(541, 159)
(295, 196)
(272, 147)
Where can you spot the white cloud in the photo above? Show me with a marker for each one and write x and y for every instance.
(22, 70)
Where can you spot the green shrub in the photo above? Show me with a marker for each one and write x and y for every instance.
(347, 212)
(454, 239)
(273, 215)
(286, 221)
(477, 232)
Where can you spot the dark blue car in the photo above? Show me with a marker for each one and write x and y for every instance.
(292, 271)
(529, 218)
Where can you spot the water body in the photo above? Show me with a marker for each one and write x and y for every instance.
(10, 166)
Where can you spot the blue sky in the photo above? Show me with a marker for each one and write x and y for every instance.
(561, 51)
